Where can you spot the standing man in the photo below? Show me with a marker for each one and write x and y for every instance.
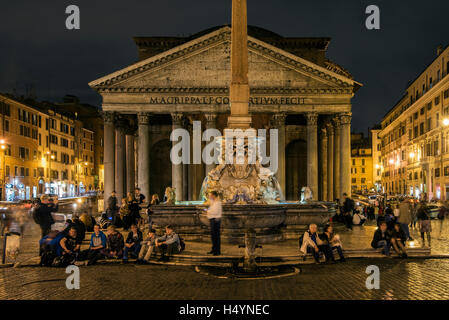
(42, 213)
(214, 214)
(139, 197)
(348, 208)
(113, 207)
(405, 217)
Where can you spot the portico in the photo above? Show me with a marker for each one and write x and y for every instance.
(294, 89)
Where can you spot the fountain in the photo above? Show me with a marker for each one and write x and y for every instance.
(253, 213)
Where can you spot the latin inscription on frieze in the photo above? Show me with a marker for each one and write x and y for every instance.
(217, 100)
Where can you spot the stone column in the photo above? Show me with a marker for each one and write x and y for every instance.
(109, 154)
(211, 123)
(120, 153)
(330, 162)
(177, 172)
(279, 124)
(336, 122)
(143, 155)
(130, 164)
(312, 153)
(323, 163)
(345, 154)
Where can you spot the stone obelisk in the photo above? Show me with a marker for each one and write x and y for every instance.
(239, 89)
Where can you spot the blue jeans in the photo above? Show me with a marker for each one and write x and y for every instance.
(406, 229)
(340, 252)
(135, 249)
(385, 245)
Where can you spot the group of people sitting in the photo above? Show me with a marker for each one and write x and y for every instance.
(385, 239)
(61, 249)
(321, 243)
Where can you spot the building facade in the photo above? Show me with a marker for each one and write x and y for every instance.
(41, 152)
(294, 88)
(415, 136)
(376, 147)
(361, 164)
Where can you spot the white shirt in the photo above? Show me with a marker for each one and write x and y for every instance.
(215, 210)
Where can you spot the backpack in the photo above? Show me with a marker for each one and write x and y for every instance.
(47, 258)
(182, 244)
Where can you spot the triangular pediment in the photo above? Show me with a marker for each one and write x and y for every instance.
(205, 63)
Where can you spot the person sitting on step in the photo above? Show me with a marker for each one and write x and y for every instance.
(333, 241)
(133, 243)
(168, 244)
(398, 238)
(310, 242)
(382, 239)
(148, 246)
(115, 244)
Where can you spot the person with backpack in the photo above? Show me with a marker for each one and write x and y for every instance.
(424, 223)
(168, 244)
(42, 213)
(113, 207)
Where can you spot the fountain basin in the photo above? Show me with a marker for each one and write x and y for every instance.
(271, 223)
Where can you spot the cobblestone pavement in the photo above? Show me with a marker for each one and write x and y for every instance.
(399, 279)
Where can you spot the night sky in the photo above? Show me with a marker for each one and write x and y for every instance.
(37, 51)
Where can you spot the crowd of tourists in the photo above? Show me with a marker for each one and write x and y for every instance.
(62, 248)
(106, 242)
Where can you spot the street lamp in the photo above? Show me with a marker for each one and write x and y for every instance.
(446, 122)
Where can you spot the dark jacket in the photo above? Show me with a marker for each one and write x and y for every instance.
(130, 238)
(423, 213)
(80, 230)
(378, 236)
(115, 242)
(348, 205)
(42, 214)
(112, 204)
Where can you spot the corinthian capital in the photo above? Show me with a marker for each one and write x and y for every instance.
(336, 123)
(346, 118)
(210, 117)
(143, 118)
(108, 117)
(177, 118)
(312, 118)
(278, 119)
(329, 129)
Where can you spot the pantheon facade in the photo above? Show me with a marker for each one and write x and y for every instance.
(294, 88)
